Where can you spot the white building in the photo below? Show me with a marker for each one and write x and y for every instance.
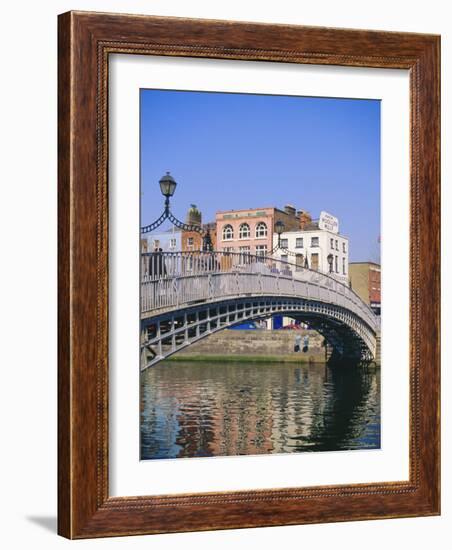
(169, 240)
(311, 246)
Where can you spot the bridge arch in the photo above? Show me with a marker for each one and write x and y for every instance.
(170, 332)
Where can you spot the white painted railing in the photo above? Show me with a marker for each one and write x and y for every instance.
(175, 279)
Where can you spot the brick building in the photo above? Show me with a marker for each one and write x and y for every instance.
(193, 240)
(365, 278)
(251, 231)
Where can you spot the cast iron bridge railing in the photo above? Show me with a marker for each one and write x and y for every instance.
(185, 296)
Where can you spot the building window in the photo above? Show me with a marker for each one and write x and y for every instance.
(228, 249)
(284, 243)
(172, 244)
(228, 233)
(337, 246)
(314, 242)
(335, 264)
(315, 261)
(261, 250)
(284, 258)
(190, 246)
(332, 243)
(244, 231)
(190, 243)
(261, 230)
(299, 259)
(344, 249)
(156, 243)
(299, 242)
(343, 266)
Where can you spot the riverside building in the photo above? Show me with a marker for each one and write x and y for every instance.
(316, 244)
(168, 240)
(251, 231)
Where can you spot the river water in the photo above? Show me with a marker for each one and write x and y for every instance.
(196, 409)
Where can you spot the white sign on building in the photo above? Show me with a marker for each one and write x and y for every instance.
(328, 222)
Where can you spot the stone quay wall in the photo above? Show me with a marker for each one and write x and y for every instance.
(257, 343)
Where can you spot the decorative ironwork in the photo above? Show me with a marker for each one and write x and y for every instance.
(279, 229)
(286, 251)
(168, 215)
(151, 227)
(168, 187)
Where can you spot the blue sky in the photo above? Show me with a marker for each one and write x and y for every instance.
(233, 151)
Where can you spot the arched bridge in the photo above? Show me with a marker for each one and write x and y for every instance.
(186, 296)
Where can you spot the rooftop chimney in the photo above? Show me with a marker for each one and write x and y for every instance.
(289, 209)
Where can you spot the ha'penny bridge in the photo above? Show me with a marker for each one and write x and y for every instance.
(187, 296)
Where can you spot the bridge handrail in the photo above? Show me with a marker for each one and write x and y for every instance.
(241, 259)
(166, 265)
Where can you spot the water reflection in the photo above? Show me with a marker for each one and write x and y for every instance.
(193, 409)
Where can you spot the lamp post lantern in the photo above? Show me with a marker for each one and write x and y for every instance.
(167, 186)
(279, 228)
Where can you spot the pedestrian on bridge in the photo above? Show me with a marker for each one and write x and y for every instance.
(157, 267)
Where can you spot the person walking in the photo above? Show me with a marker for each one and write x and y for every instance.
(153, 264)
(161, 263)
(297, 343)
(153, 272)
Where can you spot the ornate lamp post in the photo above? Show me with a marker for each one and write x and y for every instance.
(167, 187)
(330, 262)
(279, 228)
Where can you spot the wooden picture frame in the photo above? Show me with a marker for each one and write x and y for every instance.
(86, 40)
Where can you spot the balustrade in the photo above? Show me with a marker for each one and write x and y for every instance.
(172, 279)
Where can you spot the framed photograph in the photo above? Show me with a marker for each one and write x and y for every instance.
(248, 275)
